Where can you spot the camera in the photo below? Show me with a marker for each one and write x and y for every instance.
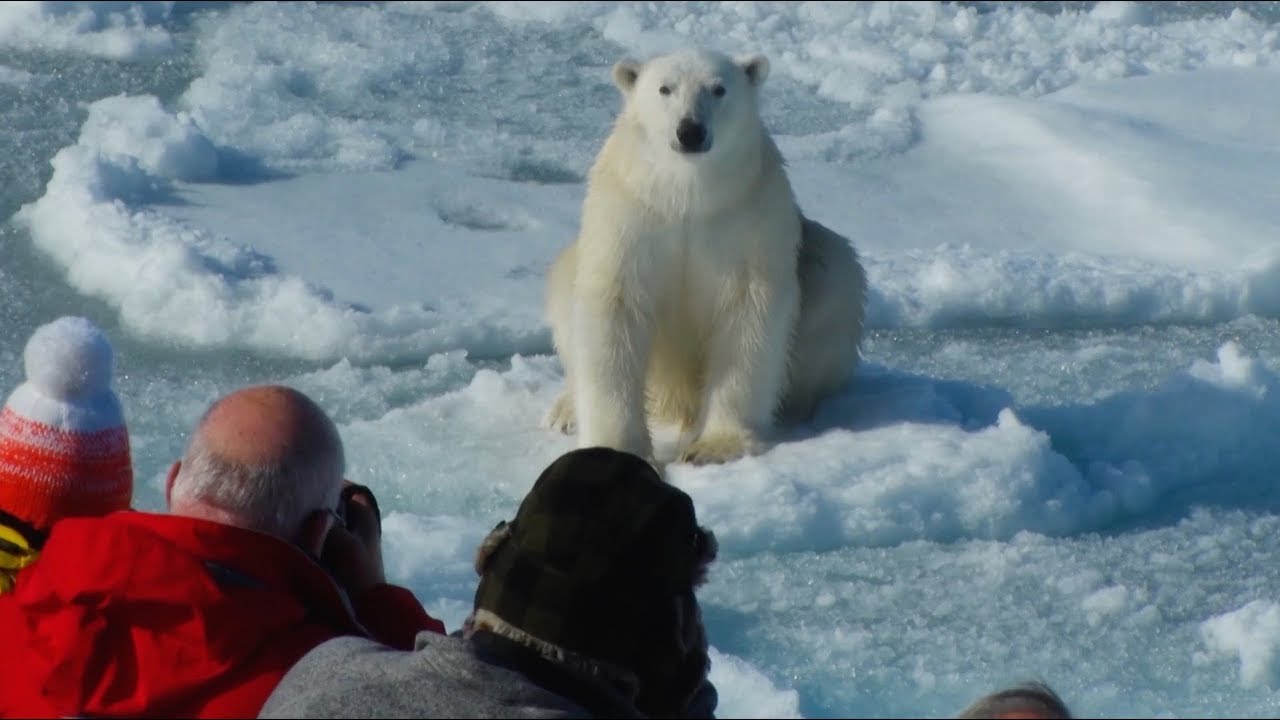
(346, 501)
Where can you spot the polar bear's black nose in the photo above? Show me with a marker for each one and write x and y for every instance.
(691, 135)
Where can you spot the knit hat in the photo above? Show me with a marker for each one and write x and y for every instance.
(601, 560)
(64, 448)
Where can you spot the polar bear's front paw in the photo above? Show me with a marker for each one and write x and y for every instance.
(721, 447)
(561, 416)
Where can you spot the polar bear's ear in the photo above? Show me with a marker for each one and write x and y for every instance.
(625, 74)
(755, 66)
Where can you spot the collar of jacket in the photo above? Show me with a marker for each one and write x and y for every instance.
(604, 693)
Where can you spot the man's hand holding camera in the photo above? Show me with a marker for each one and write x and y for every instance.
(353, 548)
(352, 552)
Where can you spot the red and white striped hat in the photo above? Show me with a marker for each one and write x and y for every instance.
(64, 447)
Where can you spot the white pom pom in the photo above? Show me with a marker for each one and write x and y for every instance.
(69, 359)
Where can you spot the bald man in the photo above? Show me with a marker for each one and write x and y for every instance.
(200, 612)
(1033, 700)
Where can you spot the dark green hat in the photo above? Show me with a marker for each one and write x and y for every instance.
(600, 544)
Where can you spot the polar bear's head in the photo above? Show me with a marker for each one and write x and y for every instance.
(693, 102)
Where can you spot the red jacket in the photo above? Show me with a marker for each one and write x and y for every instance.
(140, 614)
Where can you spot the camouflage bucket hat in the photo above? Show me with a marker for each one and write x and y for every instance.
(598, 542)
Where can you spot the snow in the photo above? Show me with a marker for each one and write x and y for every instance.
(1056, 460)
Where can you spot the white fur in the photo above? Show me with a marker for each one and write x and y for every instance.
(696, 293)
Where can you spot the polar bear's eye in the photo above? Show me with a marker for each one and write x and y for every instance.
(718, 91)
(664, 90)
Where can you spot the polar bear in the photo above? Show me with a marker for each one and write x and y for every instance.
(696, 293)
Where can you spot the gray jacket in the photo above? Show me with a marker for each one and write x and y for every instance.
(444, 676)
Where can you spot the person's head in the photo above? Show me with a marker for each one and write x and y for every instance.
(599, 566)
(64, 447)
(263, 458)
(1027, 701)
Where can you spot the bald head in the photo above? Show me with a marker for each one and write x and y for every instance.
(262, 458)
(1033, 700)
(268, 425)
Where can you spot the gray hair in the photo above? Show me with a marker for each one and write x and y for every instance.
(270, 498)
(1034, 696)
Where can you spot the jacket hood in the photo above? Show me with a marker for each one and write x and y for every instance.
(140, 613)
